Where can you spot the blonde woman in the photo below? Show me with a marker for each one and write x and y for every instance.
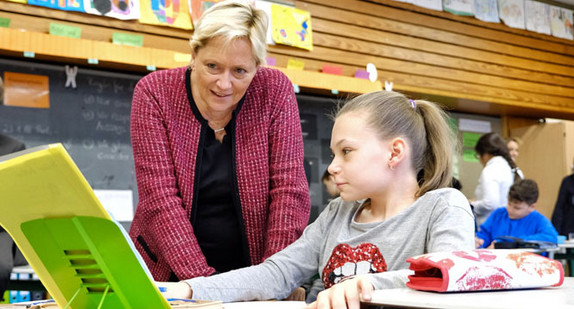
(218, 154)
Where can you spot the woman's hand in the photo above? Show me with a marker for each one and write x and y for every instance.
(174, 289)
(346, 294)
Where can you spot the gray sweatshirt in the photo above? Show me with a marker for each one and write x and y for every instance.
(336, 246)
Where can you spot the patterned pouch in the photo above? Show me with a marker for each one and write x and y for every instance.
(483, 269)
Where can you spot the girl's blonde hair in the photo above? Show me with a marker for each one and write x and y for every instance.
(422, 124)
(230, 20)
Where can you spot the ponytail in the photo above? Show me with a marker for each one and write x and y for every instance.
(440, 141)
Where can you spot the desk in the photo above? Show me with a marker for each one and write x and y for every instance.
(566, 252)
(557, 297)
(266, 305)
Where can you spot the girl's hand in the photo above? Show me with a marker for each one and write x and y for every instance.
(174, 289)
(346, 294)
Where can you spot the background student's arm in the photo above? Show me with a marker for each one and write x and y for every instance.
(485, 232)
(160, 203)
(544, 231)
(490, 187)
(289, 194)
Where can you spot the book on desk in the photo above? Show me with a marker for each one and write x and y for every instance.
(82, 256)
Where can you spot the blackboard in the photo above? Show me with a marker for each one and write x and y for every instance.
(92, 121)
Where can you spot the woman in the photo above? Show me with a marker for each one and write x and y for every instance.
(513, 145)
(498, 175)
(218, 151)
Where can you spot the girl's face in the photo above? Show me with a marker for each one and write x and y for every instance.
(512, 149)
(360, 162)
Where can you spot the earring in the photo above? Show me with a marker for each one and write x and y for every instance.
(391, 167)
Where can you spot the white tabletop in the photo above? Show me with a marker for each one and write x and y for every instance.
(557, 297)
(266, 305)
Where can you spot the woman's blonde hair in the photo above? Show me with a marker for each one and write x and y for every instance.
(230, 20)
(421, 123)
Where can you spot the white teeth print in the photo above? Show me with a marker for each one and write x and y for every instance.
(349, 269)
(363, 267)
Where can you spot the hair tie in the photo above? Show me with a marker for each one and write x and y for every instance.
(413, 103)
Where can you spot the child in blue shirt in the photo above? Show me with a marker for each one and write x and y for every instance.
(517, 219)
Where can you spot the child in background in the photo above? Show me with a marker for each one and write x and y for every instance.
(330, 184)
(361, 241)
(517, 219)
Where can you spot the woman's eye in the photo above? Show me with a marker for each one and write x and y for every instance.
(211, 66)
(241, 71)
(346, 151)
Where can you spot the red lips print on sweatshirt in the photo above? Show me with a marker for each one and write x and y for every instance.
(346, 261)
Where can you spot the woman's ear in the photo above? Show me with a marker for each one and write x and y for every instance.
(192, 62)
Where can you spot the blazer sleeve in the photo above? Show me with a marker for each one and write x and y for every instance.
(160, 206)
(289, 193)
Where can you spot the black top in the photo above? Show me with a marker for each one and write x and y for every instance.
(216, 224)
(563, 215)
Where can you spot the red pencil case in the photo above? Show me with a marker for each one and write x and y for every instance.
(483, 269)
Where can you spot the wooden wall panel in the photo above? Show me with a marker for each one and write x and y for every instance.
(471, 65)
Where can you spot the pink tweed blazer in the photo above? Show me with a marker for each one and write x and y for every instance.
(272, 187)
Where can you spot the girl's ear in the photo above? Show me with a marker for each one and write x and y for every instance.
(398, 147)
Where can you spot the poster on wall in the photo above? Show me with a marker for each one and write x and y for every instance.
(266, 7)
(459, 7)
(486, 10)
(172, 13)
(197, 7)
(67, 5)
(537, 15)
(511, 12)
(561, 22)
(429, 4)
(26, 90)
(120, 9)
(291, 26)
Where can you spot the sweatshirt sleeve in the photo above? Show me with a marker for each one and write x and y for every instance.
(544, 230)
(489, 193)
(276, 277)
(485, 232)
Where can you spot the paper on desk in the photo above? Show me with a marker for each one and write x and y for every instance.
(119, 203)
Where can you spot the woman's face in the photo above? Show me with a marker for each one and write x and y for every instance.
(512, 149)
(221, 74)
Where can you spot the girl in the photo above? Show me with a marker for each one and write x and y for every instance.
(498, 174)
(381, 141)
